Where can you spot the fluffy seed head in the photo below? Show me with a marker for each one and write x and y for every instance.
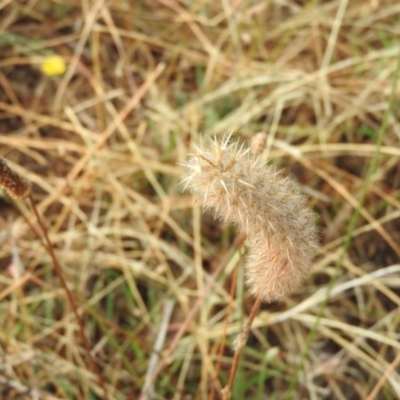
(14, 184)
(240, 188)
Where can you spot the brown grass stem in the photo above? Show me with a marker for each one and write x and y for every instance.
(240, 342)
(71, 299)
(224, 333)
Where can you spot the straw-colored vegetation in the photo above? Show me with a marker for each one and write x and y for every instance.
(141, 295)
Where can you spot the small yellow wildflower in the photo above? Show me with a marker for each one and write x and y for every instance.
(53, 65)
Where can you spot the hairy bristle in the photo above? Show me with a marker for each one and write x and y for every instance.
(14, 184)
(242, 189)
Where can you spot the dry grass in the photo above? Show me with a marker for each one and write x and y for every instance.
(159, 285)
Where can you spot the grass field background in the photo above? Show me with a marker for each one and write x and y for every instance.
(158, 284)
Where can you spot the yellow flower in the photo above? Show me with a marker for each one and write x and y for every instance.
(53, 65)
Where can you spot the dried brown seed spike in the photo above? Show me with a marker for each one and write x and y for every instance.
(14, 184)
